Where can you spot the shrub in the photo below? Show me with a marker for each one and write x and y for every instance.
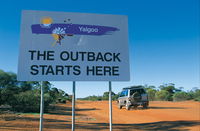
(115, 97)
(26, 102)
(151, 94)
(29, 101)
(197, 98)
(162, 95)
(181, 96)
(197, 93)
(7, 96)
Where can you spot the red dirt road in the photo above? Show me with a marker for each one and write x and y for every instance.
(164, 116)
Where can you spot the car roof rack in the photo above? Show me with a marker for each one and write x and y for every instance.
(133, 87)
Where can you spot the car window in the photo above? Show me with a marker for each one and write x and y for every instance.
(132, 92)
(141, 91)
(124, 93)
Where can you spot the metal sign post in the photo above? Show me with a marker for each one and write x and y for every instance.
(110, 104)
(73, 105)
(41, 106)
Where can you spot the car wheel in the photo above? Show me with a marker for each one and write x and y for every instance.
(135, 106)
(145, 106)
(119, 106)
(128, 107)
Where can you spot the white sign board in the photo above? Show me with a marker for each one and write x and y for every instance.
(60, 46)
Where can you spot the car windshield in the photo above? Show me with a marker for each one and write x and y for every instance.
(141, 91)
(124, 93)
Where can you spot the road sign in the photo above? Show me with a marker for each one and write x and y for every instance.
(60, 46)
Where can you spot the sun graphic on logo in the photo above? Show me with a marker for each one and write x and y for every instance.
(46, 21)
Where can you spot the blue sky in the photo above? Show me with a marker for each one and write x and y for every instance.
(163, 39)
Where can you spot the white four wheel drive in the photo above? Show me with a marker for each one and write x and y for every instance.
(133, 96)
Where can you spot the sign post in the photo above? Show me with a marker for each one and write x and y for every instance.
(73, 105)
(41, 105)
(62, 46)
(110, 104)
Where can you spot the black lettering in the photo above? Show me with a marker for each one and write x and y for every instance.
(107, 69)
(49, 70)
(32, 53)
(41, 55)
(116, 56)
(99, 70)
(90, 70)
(99, 57)
(43, 68)
(50, 55)
(68, 69)
(64, 55)
(91, 56)
(59, 69)
(34, 70)
(74, 56)
(106, 58)
(82, 55)
(77, 70)
(115, 70)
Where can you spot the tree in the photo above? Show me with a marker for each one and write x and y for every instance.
(116, 96)
(151, 94)
(162, 95)
(106, 95)
(7, 95)
(181, 96)
(29, 101)
(170, 88)
(46, 86)
(148, 87)
(194, 93)
(8, 85)
(28, 85)
(54, 93)
(4, 79)
(197, 95)
(7, 79)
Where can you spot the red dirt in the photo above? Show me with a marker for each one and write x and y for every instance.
(95, 116)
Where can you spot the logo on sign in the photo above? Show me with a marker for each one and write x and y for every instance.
(60, 30)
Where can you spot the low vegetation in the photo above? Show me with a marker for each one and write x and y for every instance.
(165, 92)
(100, 98)
(25, 96)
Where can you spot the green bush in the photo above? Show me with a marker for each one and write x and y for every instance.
(115, 97)
(151, 94)
(93, 98)
(26, 102)
(181, 96)
(7, 95)
(29, 101)
(197, 98)
(24, 96)
(197, 93)
(162, 95)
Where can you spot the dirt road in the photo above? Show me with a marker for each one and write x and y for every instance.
(164, 116)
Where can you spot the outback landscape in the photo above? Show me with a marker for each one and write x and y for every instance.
(94, 115)
(143, 56)
(171, 108)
